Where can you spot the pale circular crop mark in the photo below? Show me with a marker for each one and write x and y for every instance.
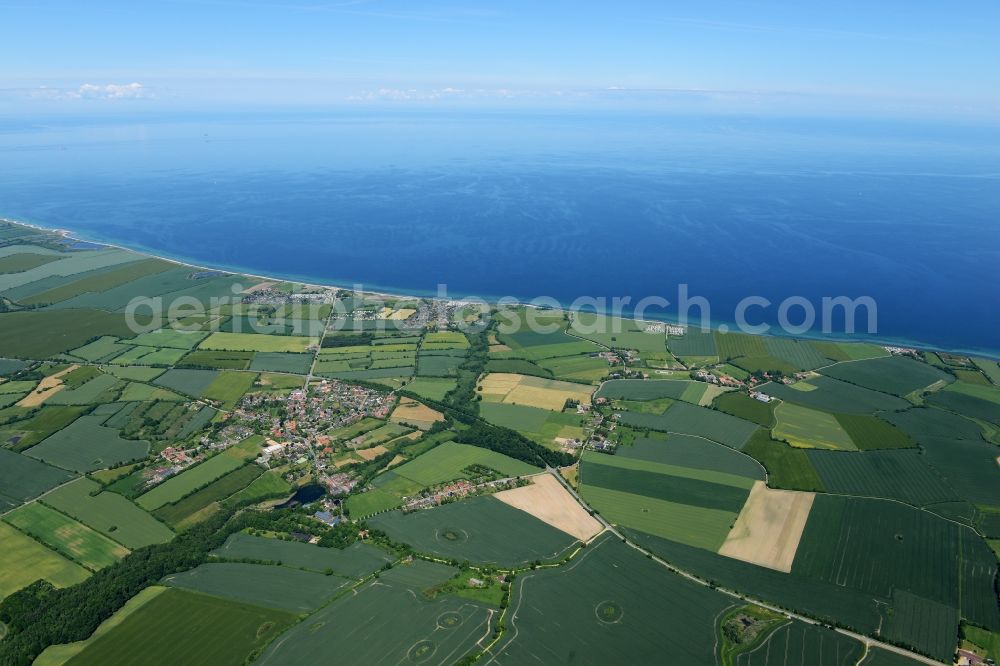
(609, 612)
(421, 651)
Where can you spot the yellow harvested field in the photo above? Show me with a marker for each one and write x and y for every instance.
(550, 394)
(46, 388)
(711, 393)
(373, 452)
(395, 461)
(769, 527)
(401, 314)
(416, 414)
(550, 502)
(260, 286)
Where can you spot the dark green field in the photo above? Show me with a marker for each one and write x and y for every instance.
(480, 529)
(22, 478)
(155, 630)
(742, 405)
(954, 446)
(897, 375)
(218, 490)
(354, 561)
(869, 432)
(44, 333)
(797, 644)
(691, 420)
(787, 467)
(832, 395)
(694, 452)
(86, 445)
(642, 389)
(610, 605)
(902, 475)
(386, 622)
(286, 589)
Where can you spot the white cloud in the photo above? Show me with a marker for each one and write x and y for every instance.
(109, 91)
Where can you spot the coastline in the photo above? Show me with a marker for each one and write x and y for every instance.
(382, 291)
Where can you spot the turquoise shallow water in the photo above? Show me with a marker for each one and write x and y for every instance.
(542, 205)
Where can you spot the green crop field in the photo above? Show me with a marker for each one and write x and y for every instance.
(445, 462)
(990, 367)
(885, 548)
(154, 628)
(480, 529)
(404, 628)
(177, 514)
(24, 261)
(98, 349)
(434, 388)
(692, 420)
(735, 345)
(25, 561)
(967, 405)
(798, 353)
(694, 342)
(768, 364)
(268, 484)
(23, 478)
(99, 281)
(168, 337)
(798, 643)
(819, 599)
(354, 561)
(831, 395)
(25, 434)
(929, 626)
(282, 362)
(257, 343)
(693, 525)
(901, 475)
(86, 445)
(283, 588)
(98, 390)
(516, 417)
(869, 432)
(615, 607)
(43, 333)
(435, 365)
(692, 453)
(70, 264)
(584, 368)
(229, 387)
(787, 467)
(371, 502)
(897, 375)
(66, 536)
(741, 405)
(108, 513)
(644, 389)
(810, 428)
(650, 480)
(216, 360)
(954, 446)
(616, 333)
(189, 382)
(983, 392)
(177, 487)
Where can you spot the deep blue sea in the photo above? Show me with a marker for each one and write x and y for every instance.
(534, 204)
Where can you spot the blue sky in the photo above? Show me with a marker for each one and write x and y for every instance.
(889, 57)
